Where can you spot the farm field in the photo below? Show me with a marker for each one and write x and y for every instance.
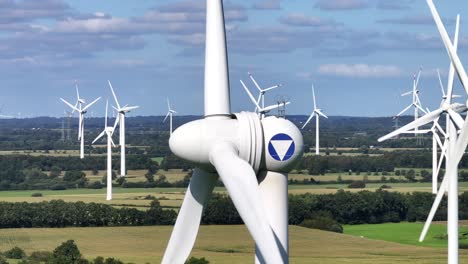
(147, 244)
(172, 197)
(406, 233)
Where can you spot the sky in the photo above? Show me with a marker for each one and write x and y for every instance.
(360, 54)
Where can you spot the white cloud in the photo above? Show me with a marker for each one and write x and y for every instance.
(360, 70)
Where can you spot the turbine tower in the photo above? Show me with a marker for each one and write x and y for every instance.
(251, 156)
(457, 143)
(169, 114)
(108, 130)
(317, 113)
(120, 120)
(82, 111)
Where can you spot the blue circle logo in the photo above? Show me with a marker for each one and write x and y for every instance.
(281, 147)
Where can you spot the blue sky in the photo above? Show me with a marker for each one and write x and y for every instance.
(361, 54)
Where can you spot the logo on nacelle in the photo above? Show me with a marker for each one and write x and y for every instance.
(281, 147)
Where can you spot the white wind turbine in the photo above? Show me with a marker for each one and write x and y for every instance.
(169, 114)
(108, 130)
(262, 110)
(251, 156)
(317, 113)
(416, 103)
(261, 92)
(122, 111)
(82, 111)
(456, 143)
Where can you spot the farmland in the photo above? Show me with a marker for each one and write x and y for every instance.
(147, 244)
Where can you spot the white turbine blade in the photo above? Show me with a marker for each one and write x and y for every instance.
(437, 138)
(443, 154)
(70, 105)
(404, 110)
(417, 79)
(439, 128)
(255, 82)
(448, 45)
(113, 93)
(308, 120)
(249, 94)
(272, 87)
(407, 93)
(313, 96)
(456, 118)
(168, 113)
(99, 136)
(129, 108)
(417, 123)
(320, 113)
(435, 206)
(452, 67)
(168, 104)
(217, 99)
(110, 138)
(105, 119)
(241, 183)
(271, 107)
(420, 108)
(187, 224)
(453, 162)
(440, 84)
(258, 101)
(90, 104)
(117, 120)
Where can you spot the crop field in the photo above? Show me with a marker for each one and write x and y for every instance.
(147, 245)
(407, 233)
(172, 197)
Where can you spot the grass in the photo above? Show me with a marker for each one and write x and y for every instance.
(147, 245)
(405, 233)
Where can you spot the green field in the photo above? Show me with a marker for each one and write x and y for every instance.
(223, 244)
(406, 233)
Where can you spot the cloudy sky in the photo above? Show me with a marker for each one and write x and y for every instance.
(361, 54)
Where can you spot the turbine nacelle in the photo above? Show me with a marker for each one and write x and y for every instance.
(273, 144)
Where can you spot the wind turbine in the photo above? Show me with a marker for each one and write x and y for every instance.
(416, 103)
(108, 130)
(251, 156)
(169, 114)
(262, 110)
(317, 113)
(82, 111)
(456, 143)
(261, 94)
(122, 111)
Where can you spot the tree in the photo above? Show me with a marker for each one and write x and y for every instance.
(411, 175)
(55, 172)
(149, 176)
(15, 253)
(67, 253)
(357, 185)
(194, 260)
(74, 175)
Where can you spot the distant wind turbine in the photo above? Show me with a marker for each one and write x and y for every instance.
(122, 110)
(317, 113)
(82, 111)
(108, 130)
(169, 114)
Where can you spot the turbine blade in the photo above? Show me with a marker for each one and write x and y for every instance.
(99, 136)
(113, 93)
(107, 107)
(452, 67)
(404, 110)
(456, 118)
(308, 120)
(255, 82)
(117, 120)
(90, 104)
(110, 138)
(272, 87)
(241, 182)
(250, 94)
(188, 221)
(435, 206)
(417, 79)
(271, 107)
(320, 113)
(168, 113)
(217, 99)
(417, 123)
(70, 105)
(313, 96)
(440, 83)
(407, 93)
(448, 45)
